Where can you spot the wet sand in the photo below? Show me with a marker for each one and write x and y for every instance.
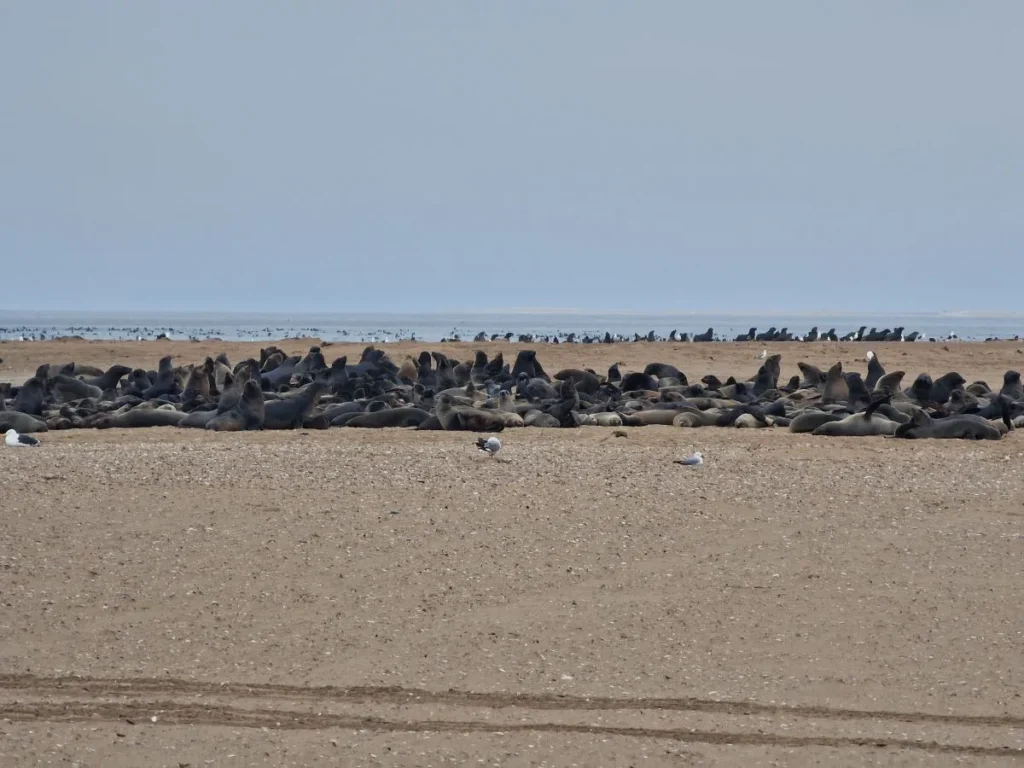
(396, 598)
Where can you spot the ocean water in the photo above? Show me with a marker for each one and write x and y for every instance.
(432, 327)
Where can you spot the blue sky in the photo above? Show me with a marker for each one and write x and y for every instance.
(401, 156)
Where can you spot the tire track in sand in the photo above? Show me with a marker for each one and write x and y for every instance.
(87, 704)
(397, 695)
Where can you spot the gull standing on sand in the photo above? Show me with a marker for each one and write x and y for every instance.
(14, 440)
(489, 445)
(869, 356)
(691, 461)
(763, 355)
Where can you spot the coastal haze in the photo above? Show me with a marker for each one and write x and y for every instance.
(752, 157)
(236, 175)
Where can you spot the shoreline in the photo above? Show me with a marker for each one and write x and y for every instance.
(528, 327)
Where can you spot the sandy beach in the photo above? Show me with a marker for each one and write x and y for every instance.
(180, 597)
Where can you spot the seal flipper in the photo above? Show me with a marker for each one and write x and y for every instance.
(1004, 407)
(873, 405)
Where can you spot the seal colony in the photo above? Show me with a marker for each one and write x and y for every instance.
(565, 335)
(431, 391)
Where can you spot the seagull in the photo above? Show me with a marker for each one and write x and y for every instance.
(489, 445)
(691, 461)
(14, 440)
(869, 356)
(763, 355)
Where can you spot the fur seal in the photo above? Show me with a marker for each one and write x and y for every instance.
(68, 388)
(540, 419)
(864, 424)
(924, 390)
(166, 383)
(809, 420)
(585, 381)
(30, 397)
(637, 382)
(597, 419)
(247, 414)
(388, 417)
(408, 370)
(664, 371)
(812, 377)
(836, 389)
(198, 419)
(466, 418)
(232, 393)
(22, 423)
(200, 380)
(271, 361)
(858, 392)
(138, 417)
(890, 383)
(751, 421)
(662, 416)
(526, 362)
(290, 412)
(110, 378)
(875, 370)
(1012, 387)
(960, 427)
(696, 418)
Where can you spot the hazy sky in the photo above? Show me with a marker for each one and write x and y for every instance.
(422, 156)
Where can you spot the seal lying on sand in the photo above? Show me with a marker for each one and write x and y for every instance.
(864, 424)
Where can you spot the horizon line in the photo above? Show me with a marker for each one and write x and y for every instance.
(566, 311)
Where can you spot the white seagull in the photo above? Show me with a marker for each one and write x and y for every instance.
(489, 445)
(14, 440)
(763, 355)
(869, 356)
(691, 461)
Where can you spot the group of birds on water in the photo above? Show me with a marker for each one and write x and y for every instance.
(772, 334)
(486, 395)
